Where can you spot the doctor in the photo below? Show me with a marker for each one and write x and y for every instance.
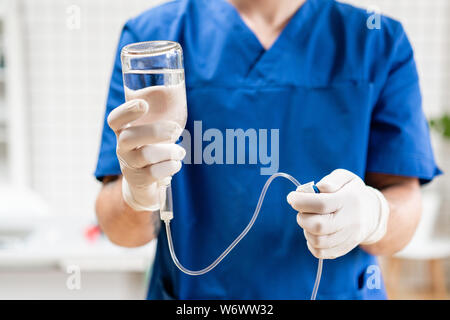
(346, 102)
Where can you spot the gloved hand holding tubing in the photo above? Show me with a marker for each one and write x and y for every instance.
(345, 214)
(146, 152)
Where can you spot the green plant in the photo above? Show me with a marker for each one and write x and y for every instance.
(441, 125)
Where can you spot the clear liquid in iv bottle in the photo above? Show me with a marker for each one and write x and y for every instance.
(164, 91)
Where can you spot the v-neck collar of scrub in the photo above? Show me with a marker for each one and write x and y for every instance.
(228, 14)
(244, 26)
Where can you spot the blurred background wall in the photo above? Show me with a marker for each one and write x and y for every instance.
(66, 73)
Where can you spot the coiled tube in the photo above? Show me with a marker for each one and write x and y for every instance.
(239, 238)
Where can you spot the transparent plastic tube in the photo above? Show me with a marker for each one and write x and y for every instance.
(167, 219)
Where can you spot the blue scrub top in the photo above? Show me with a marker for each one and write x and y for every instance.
(341, 95)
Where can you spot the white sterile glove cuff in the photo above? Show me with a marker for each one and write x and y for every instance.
(131, 201)
(381, 227)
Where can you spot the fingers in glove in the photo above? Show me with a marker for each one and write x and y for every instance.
(318, 224)
(327, 241)
(152, 154)
(165, 169)
(158, 132)
(332, 253)
(322, 203)
(335, 180)
(128, 112)
(143, 177)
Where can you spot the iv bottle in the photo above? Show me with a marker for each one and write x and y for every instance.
(153, 71)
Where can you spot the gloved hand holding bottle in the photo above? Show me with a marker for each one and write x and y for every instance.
(146, 153)
(345, 214)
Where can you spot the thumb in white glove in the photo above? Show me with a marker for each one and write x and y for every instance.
(146, 152)
(345, 214)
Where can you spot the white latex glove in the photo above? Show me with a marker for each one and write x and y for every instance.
(146, 152)
(343, 215)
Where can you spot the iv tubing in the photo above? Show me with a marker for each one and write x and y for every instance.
(240, 237)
